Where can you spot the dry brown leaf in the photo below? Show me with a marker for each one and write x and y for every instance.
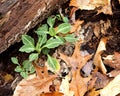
(114, 73)
(101, 80)
(87, 68)
(91, 83)
(72, 14)
(114, 61)
(64, 88)
(93, 92)
(113, 88)
(78, 84)
(92, 4)
(97, 58)
(35, 85)
(101, 27)
(52, 94)
(76, 27)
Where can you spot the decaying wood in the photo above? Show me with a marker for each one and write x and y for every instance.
(19, 16)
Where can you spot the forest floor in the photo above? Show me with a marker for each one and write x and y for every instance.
(89, 67)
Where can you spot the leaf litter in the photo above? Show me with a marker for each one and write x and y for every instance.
(82, 72)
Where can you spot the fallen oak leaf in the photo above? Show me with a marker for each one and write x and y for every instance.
(35, 85)
(78, 84)
(76, 26)
(113, 88)
(97, 58)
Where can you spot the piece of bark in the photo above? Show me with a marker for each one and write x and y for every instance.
(17, 17)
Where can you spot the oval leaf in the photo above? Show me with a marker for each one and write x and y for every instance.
(14, 60)
(53, 42)
(70, 38)
(64, 28)
(52, 31)
(24, 74)
(18, 69)
(26, 64)
(53, 63)
(27, 49)
(51, 21)
(41, 41)
(42, 30)
(33, 56)
(28, 40)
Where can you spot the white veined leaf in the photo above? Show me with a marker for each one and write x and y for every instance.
(64, 28)
(42, 30)
(31, 69)
(18, 69)
(53, 42)
(51, 21)
(53, 63)
(14, 60)
(65, 19)
(28, 40)
(52, 31)
(24, 74)
(41, 40)
(26, 64)
(27, 49)
(33, 56)
(70, 38)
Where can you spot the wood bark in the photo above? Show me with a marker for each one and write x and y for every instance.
(17, 17)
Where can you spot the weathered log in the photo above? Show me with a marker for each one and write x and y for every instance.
(17, 17)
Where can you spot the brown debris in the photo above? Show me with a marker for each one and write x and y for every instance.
(114, 62)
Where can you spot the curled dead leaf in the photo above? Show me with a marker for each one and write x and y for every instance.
(78, 84)
(97, 58)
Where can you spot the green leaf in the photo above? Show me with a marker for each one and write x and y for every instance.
(58, 17)
(53, 42)
(51, 21)
(42, 30)
(65, 19)
(45, 51)
(24, 74)
(52, 31)
(18, 69)
(28, 40)
(32, 69)
(64, 28)
(27, 48)
(14, 60)
(70, 38)
(53, 63)
(33, 56)
(41, 40)
(26, 64)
